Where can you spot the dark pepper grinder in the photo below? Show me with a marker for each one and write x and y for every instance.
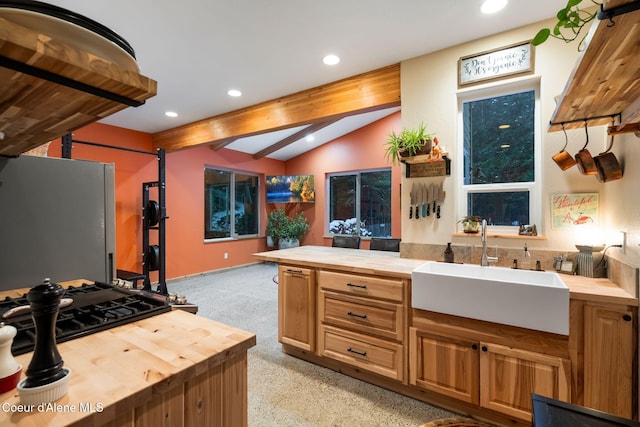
(46, 364)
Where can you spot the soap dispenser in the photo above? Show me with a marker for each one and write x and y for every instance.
(448, 253)
(526, 259)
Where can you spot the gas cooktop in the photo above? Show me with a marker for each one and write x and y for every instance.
(93, 307)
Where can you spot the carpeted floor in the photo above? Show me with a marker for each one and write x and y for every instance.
(285, 391)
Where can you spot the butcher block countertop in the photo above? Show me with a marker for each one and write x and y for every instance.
(117, 370)
(390, 264)
(351, 260)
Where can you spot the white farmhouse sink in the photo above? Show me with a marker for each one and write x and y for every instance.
(529, 299)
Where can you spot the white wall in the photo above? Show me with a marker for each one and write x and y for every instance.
(428, 90)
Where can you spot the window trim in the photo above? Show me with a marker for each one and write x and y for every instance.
(358, 174)
(534, 188)
(232, 201)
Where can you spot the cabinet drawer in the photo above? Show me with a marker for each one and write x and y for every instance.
(391, 289)
(368, 353)
(368, 316)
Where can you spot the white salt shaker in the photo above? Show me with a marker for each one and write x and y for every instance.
(8, 364)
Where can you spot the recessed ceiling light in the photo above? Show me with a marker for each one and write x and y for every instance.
(492, 6)
(310, 138)
(234, 92)
(171, 114)
(331, 60)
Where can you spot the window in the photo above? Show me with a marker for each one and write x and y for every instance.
(501, 167)
(360, 203)
(230, 204)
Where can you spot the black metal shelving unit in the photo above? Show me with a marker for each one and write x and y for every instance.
(154, 216)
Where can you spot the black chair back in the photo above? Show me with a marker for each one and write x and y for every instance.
(352, 242)
(384, 244)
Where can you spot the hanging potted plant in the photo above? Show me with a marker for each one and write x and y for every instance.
(570, 22)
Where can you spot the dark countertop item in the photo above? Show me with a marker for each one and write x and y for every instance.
(549, 412)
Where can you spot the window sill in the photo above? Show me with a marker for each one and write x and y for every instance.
(500, 236)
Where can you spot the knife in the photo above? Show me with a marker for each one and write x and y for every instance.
(424, 200)
(418, 201)
(434, 189)
(429, 195)
(412, 199)
(440, 199)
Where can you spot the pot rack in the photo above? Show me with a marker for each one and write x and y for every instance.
(606, 79)
(154, 216)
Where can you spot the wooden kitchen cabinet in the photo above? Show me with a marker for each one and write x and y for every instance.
(610, 363)
(444, 364)
(509, 376)
(361, 322)
(452, 362)
(297, 307)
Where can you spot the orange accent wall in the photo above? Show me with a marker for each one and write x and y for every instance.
(359, 150)
(186, 251)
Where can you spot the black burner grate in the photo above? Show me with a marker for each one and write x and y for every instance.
(95, 307)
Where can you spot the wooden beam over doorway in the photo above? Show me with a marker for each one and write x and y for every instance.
(366, 92)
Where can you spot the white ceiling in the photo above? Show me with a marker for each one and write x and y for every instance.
(198, 49)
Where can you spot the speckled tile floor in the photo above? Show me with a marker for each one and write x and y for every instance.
(283, 390)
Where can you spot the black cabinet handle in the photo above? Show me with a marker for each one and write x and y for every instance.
(357, 286)
(361, 316)
(359, 353)
(626, 318)
(474, 346)
(484, 348)
(294, 271)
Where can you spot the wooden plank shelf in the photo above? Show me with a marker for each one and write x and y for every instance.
(422, 166)
(49, 89)
(606, 79)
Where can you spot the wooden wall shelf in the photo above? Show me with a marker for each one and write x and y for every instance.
(49, 89)
(422, 166)
(606, 79)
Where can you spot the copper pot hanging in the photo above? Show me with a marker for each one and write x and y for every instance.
(563, 158)
(607, 166)
(584, 160)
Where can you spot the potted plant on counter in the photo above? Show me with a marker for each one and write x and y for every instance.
(471, 224)
(410, 142)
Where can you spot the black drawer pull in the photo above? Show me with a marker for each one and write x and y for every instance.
(474, 346)
(359, 353)
(361, 316)
(294, 271)
(626, 318)
(357, 286)
(484, 348)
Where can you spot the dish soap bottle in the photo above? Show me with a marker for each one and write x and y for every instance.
(526, 260)
(448, 253)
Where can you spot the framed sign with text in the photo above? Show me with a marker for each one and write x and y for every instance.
(574, 210)
(495, 64)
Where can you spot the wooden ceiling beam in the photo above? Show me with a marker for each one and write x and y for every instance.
(215, 146)
(370, 91)
(293, 138)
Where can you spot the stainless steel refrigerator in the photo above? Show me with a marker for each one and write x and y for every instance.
(57, 221)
